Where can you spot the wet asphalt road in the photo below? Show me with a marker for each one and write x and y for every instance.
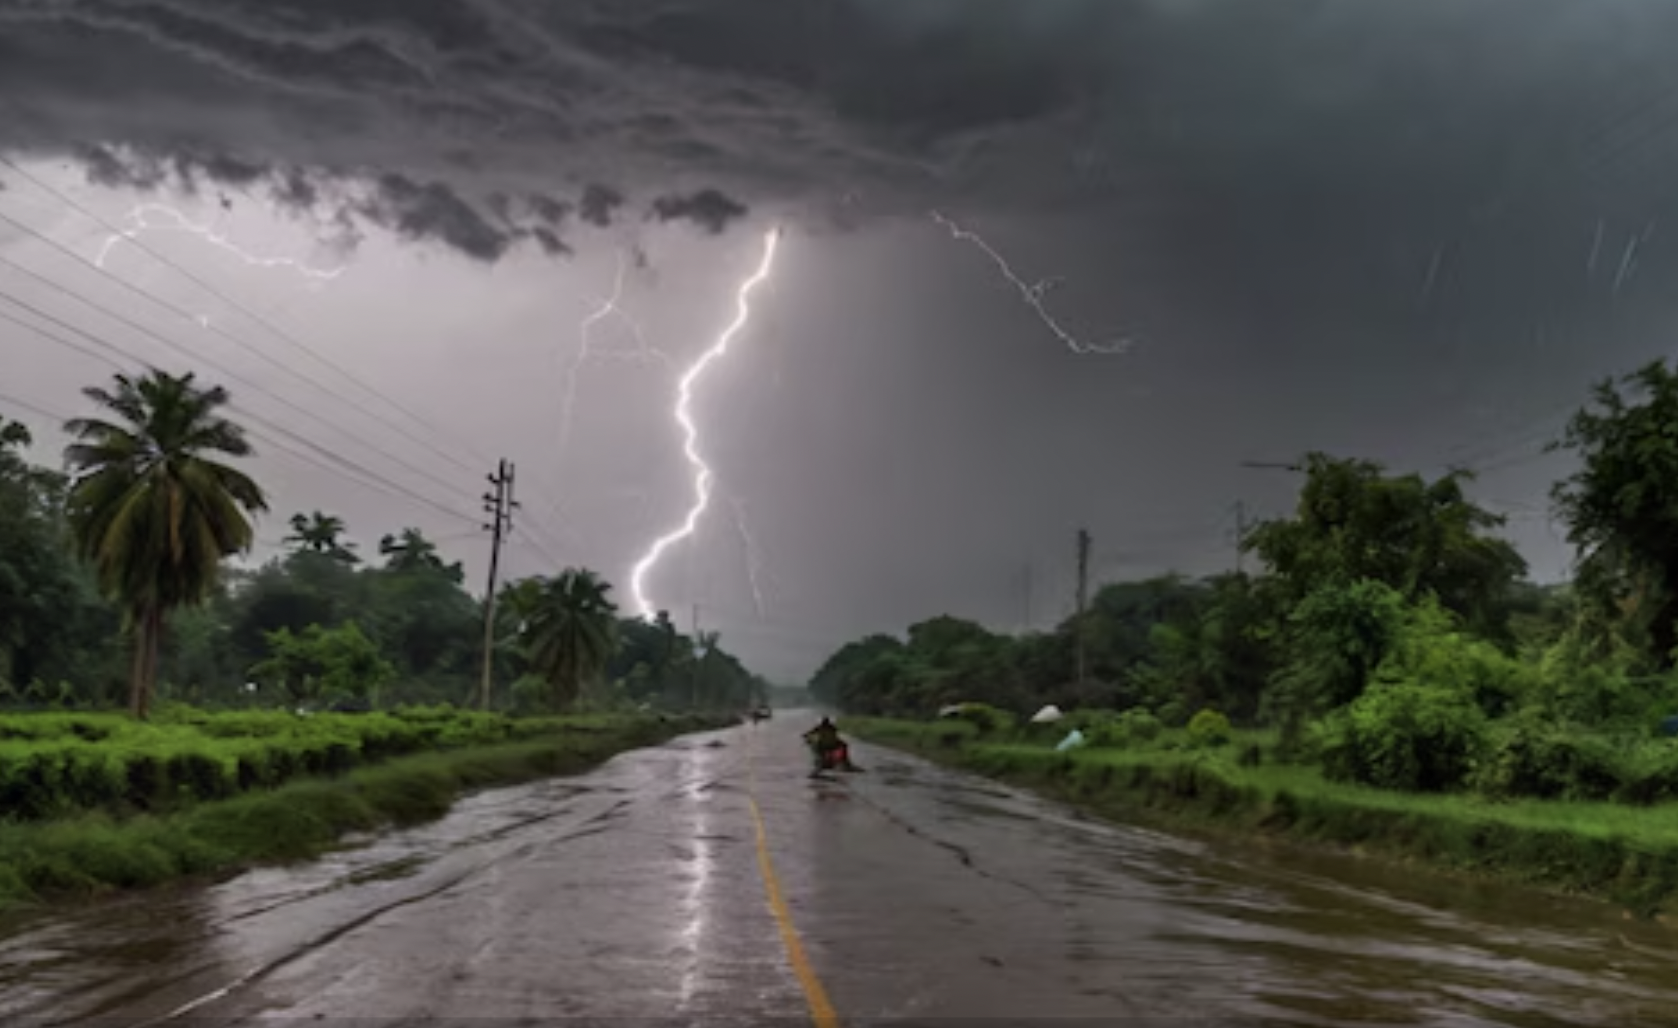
(920, 895)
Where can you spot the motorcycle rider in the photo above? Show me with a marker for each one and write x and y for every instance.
(824, 740)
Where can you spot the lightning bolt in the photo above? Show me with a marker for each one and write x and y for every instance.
(1032, 294)
(140, 220)
(684, 418)
(607, 307)
(754, 555)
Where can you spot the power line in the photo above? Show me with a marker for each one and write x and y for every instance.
(194, 356)
(259, 319)
(182, 312)
(33, 408)
(388, 486)
(70, 202)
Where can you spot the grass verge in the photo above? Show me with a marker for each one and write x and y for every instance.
(1625, 855)
(94, 853)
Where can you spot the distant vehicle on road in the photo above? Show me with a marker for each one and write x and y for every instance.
(757, 714)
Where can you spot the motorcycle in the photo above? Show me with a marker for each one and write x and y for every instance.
(838, 758)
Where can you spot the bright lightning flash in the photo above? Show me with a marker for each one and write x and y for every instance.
(608, 307)
(754, 556)
(1032, 294)
(587, 349)
(690, 448)
(140, 220)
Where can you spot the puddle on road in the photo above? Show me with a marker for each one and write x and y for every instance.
(390, 871)
(1019, 894)
(1274, 933)
(64, 963)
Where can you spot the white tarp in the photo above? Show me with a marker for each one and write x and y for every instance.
(1074, 740)
(1047, 715)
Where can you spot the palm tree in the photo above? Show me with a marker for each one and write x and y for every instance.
(573, 633)
(151, 509)
(323, 534)
(412, 551)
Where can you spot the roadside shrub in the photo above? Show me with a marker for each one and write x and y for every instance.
(1087, 721)
(986, 719)
(1209, 729)
(1648, 772)
(1536, 756)
(1407, 736)
(53, 764)
(1134, 727)
(1173, 714)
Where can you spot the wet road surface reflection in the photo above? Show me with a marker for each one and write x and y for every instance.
(921, 894)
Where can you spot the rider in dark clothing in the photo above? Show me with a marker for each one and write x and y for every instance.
(824, 740)
(825, 736)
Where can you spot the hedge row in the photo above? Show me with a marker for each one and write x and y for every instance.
(55, 764)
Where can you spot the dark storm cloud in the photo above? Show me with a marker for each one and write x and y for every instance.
(759, 97)
(552, 211)
(1207, 130)
(598, 204)
(433, 210)
(708, 208)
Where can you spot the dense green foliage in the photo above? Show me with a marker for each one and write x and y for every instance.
(345, 775)
(136, 545)
(56, 764)
(1174, 779)
(1388, 641)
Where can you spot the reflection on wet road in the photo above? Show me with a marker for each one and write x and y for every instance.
(919, 893)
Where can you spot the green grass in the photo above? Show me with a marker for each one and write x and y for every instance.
(54, 765)
(95, 852)
(1625, 854)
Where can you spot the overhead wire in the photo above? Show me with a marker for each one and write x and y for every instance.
(273, 434)
(261, 320)
(368, 477)
(256, 317)
(199, 357)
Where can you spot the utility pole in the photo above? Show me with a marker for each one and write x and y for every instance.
(1240, 537)
(698, 656)
(499, 505)
(1083, 596)
(1029, 583)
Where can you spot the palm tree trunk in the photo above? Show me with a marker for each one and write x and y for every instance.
(148, 636)
(137, 667)
(154, 650)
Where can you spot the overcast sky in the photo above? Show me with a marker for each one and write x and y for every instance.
(1409, 231)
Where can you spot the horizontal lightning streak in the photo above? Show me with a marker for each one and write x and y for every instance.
(140, 220)
(1031, 294)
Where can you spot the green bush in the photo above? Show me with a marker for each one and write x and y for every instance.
(986, 719)
(1086, 721)
(1407, 736)
(1209, 728)
(52, 764)
(1173, 714)
(1535, 756)
(1131, 728)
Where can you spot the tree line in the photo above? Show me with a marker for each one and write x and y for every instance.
(115, 585)
(1386, 610)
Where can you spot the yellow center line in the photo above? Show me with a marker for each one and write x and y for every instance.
(821, 1009)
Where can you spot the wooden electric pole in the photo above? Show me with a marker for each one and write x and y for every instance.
(1240, 537)
(500, 506)
(1029, 585)
(698, 649)
(1083, 597)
